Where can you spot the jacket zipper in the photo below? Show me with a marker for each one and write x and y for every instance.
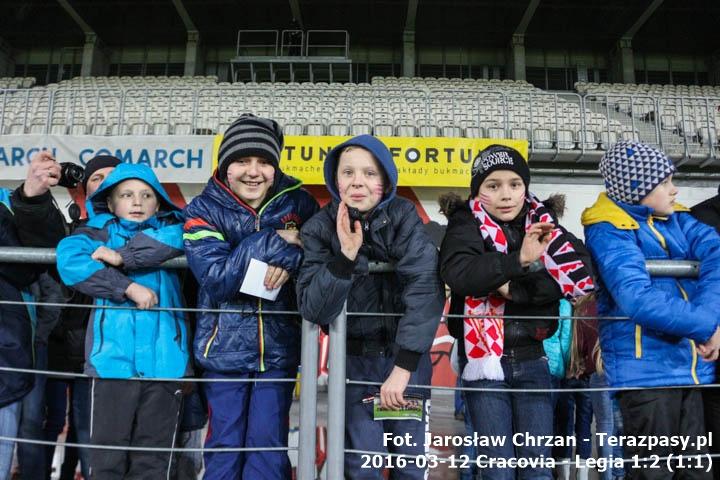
(101, 324)
(261, 327)
(210, 341)
(693, 349)
(261, 342)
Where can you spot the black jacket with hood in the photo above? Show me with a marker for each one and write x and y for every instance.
(470, 269)
(708, 211)
(393, 232)
(24, 222)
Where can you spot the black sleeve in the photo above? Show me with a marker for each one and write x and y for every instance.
(707, 214)
(466, 267)
(20, 275)
(39, 223)
(325, 278)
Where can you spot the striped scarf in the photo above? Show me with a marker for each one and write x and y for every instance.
(483, 324)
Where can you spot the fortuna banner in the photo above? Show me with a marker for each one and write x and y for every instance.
(421, 162)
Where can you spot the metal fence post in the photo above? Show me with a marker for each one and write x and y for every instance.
(308, 401)
(336, 397)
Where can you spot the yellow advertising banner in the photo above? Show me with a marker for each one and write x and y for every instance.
(421, 162)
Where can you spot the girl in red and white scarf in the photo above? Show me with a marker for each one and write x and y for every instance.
(504, 254)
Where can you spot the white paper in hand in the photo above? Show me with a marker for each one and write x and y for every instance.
(253, 283)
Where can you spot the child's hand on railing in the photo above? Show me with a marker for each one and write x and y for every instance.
(291, 236)
(107, 255)
(143, 297)
(711, 349)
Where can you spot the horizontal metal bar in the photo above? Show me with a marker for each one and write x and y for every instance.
(659, 268)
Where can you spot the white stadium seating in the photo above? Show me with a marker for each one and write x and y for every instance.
(599, 114)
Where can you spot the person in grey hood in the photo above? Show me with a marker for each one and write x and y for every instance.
(367, 222)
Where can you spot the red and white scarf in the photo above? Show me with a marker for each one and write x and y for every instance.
(483, 325)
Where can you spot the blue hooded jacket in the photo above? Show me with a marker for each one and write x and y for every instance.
(392, 232)
(222, 235)
(669, 316)
(129, 343)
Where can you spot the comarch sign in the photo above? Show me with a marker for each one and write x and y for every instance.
(176, 158)
(426, 162)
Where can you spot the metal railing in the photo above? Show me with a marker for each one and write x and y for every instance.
(553, 123)
(306, 468)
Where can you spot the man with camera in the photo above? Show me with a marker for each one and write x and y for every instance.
(28, 218)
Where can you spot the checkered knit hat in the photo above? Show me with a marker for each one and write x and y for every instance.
(632, 170)
(250, 136)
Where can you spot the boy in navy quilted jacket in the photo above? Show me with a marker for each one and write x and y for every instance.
(672, 334)
(249, 210)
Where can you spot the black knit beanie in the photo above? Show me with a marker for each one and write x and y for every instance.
(498, 157)
(96, 163)
(250, 136)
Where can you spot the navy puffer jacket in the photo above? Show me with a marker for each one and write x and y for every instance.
(222, 235)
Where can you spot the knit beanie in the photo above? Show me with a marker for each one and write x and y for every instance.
(498, 157)
(632, 170)
(250, 136)
(95, 164)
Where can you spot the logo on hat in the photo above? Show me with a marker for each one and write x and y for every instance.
(488, 160)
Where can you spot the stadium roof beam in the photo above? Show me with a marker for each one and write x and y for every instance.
(644, 17)
(94, 60)
(297, 14)
(409, 40)
(192, 46)
(624, 45)
(517, 43)
(527, 16)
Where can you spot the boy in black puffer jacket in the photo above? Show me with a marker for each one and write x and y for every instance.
(504, 254)
(392, 350)
(708, 212)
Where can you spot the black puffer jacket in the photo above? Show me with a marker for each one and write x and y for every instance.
(470, 270)
(33, 222)
(393, 233)
(708, 211)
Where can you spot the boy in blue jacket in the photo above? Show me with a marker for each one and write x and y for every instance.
(115, 258)
(365, 222)
(249, 210)
(673, 326)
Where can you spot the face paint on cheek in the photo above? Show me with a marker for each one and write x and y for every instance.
(377, 191)
(484, 199)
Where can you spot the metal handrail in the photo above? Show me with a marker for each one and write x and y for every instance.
(22, 104)
(274, 45)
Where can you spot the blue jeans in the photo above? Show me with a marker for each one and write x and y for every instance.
(574, 416)
(470, 450)
(363, 432)
(31, 457)
(503, 414)
(9, 421)
(607, 420)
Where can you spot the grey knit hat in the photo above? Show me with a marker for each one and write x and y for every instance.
(632, 170)
(250, 136)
